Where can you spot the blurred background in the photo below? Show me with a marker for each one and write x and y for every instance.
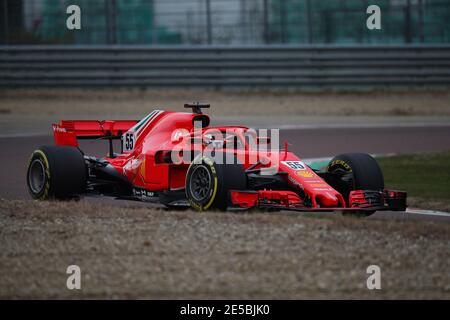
(283, 44)
(240, 22)
(310, 68)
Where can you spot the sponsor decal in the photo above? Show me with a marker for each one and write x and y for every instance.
(305, 174)
(319, 185)
(139, 192)
(57, 128)
(295, 182)
(341, 163)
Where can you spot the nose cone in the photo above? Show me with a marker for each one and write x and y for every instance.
(327, 200)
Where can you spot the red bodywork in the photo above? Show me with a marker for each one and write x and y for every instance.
(143, 162)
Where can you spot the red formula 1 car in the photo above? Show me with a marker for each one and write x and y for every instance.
(179, 160)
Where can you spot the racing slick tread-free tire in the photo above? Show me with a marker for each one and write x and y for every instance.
(362, 172)
(56, 172)
(219, 179)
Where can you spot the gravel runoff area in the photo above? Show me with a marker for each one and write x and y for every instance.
(108, 102)
(136, 252)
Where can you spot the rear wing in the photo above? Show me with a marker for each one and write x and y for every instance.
(67, 132)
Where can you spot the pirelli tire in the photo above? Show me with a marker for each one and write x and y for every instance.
(56, 172)
(208, 183)
(355, 171)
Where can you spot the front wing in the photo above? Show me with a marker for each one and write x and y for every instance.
(358, 200)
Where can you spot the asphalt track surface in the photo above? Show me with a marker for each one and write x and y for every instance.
(307, 143)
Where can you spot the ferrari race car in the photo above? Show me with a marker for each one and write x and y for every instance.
(179, 160)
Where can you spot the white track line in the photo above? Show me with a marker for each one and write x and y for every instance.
(360, 125)
(428, 212)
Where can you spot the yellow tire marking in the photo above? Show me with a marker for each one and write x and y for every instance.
(342, 163)
(47, 171)
(213, 196)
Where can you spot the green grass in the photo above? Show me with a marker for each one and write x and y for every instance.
(426, 177)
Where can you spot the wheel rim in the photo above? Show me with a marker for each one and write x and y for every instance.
(200, 183)
(36, 176)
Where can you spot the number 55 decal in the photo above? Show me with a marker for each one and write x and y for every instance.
(128, 141)
(295, 165)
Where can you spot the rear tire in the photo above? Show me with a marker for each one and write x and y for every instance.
(355, 171)
(208, 183)
(56, 172)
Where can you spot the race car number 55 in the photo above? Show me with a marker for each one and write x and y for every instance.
(128, 141)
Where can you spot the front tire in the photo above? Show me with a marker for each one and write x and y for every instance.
(208, 183)
(56, 172)
(355, 171)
